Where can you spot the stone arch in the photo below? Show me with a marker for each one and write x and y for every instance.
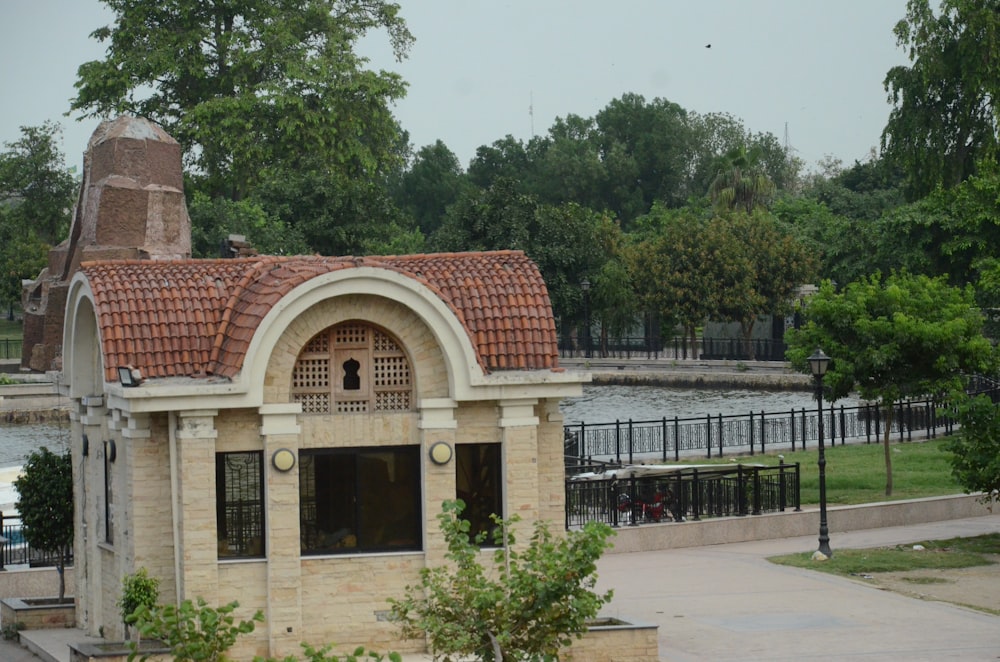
(440, 350)
(83, 358)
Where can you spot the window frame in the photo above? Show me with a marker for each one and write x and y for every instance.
(328, 475)
(250, 539)
(470, 461)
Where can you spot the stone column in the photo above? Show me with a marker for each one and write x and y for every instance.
(519, 436)
(552, 463)
(197, 528)
(437, 424)
(280, 430)
(89, 419)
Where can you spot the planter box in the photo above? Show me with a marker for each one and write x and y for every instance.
(117, 651)
(39, 613)
(615, 640)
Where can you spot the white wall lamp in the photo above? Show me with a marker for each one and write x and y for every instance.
(441, 453)
(283, 459)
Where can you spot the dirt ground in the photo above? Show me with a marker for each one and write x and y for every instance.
(977, 587)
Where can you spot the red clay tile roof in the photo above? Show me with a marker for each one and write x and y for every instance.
(197, 317)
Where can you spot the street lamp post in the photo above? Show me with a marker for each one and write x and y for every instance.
(585, 286)
(818, 363)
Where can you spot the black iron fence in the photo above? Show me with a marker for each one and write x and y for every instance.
(682, 493)
(14, 549)
(674, 347)
(669, 438)
(10, 348)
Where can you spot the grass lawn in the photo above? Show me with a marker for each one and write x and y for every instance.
(937, 554)
(855, 473)
(11, 330)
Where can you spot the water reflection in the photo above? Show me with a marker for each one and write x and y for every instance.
(17, 441)
(605, 404)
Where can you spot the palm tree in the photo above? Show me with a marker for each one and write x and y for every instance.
(741, 182)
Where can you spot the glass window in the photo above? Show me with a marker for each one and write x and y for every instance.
(360, 500)
(109, 493)
(239, 504)
(479, 483)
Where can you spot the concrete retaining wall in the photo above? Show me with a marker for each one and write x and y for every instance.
(24, 582)
(672, 535)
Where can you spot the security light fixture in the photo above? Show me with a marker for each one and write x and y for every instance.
(129, 376)
(283, 459)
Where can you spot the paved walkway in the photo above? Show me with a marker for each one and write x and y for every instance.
(727, 602)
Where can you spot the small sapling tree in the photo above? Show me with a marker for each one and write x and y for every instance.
(45, 504)
(529, 605)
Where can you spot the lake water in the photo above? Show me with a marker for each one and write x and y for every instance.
(17, 441)
(606, 404)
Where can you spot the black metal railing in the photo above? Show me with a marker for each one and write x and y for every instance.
(10, 348)
(668, 438)
(683, 493)
(674, 347)
(14, 549)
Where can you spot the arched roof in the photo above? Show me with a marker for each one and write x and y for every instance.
(194, 318)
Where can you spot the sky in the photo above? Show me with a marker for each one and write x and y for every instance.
(480, 70)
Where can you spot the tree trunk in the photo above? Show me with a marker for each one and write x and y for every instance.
(747, 329)
(890, 411)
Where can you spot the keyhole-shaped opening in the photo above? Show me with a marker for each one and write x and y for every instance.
(352, 380)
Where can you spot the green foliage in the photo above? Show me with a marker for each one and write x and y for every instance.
(893, 338)
(253, 89)
(324, 655)
(531, 603)
(138, 590)
(975, 449)
(36, 201)
(45, 504)
(944, 116)
(194, 632)
(213, 220)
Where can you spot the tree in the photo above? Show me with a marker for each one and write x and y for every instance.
(529, 604)
(944, 115)
(893, 338)
(36, 203)
(245, 85)
(36, 185)
(975, 449)
(45, 504)
(433, 183)
(669, 269)
(741, 183)
(754, 267)
(212, 221)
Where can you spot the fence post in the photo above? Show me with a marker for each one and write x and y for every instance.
(899, 419)
(635, 505)
(763, 433)
(909, 421)
(618, 441)
(756, 491)
(878, 422)
(615, 503)
(721, 435)
(932, 418)
(663, 437)
(695, 496)
(782, 489)
(708, 434)
(3, 543)
(868, 423)
(630, 442)
(793, 428)
(677, 439)
(798, 488)
(751, 434)
(843, 426)
(583, 439)
(741, 492)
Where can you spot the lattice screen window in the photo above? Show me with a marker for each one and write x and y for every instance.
(352, 368)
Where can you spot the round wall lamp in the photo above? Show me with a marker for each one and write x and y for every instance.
(283, 459)
(86, 446)
(110, 450)
(441, 453)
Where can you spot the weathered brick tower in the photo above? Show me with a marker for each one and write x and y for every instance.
(131, 206)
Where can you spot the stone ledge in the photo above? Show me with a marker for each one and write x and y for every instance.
(789, 524)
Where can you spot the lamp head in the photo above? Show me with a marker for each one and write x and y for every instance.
(818, 363)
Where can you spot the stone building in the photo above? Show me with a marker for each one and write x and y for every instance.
(283, 431)
(131, 206)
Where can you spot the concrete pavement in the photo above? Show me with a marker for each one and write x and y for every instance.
(727, 602)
